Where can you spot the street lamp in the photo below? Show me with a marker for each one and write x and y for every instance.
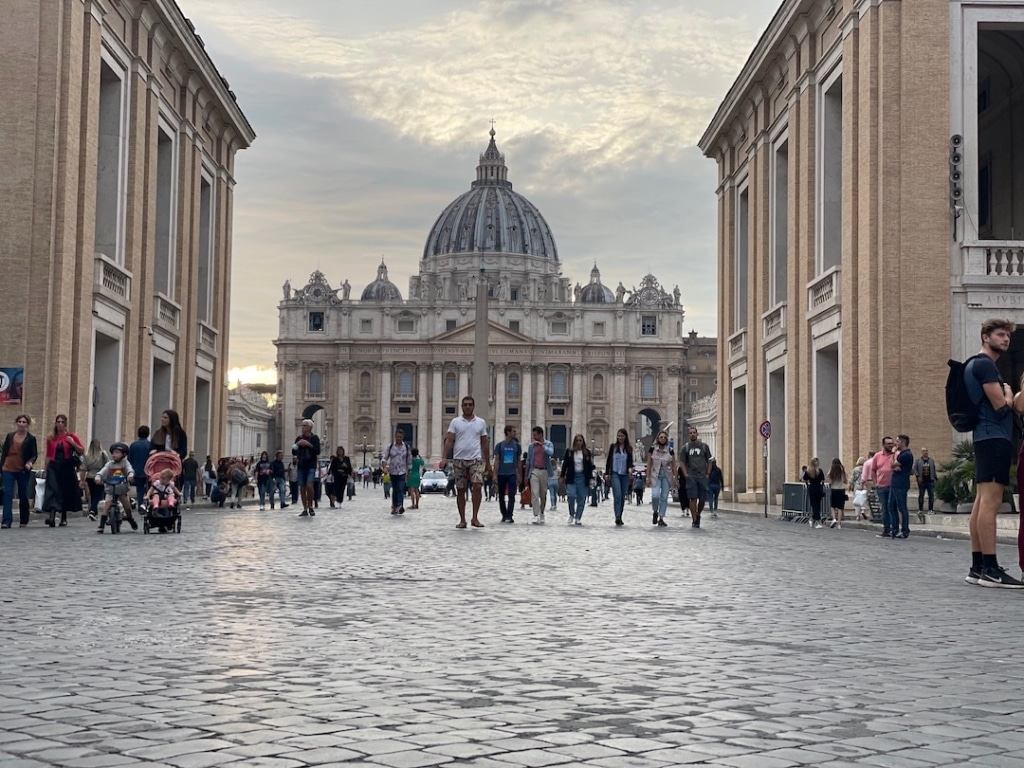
(364, 448)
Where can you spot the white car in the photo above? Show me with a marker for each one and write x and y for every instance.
(433, 481)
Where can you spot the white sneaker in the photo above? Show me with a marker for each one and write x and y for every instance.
(262, 508)
(571, 519)
(818, 525)
(578, 521)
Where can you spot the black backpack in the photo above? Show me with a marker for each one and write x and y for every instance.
(961, 408)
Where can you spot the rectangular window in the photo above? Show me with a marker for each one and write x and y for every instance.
(205, 250)
(740, 261)
(560, 327)
(514, 293)
(693, 397)
(513, 411)
(513, 325)
(406, 326)
(780, 223)
(599, 329)
(366, 326)
(648, 325)
(316, 322)
(449, 410)
(558, 411)
(109, 165)
(166, 179)
(449, 325)
(404, 409)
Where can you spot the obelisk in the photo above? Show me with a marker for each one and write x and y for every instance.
(481, 386)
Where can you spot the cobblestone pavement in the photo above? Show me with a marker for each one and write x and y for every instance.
(260, 639)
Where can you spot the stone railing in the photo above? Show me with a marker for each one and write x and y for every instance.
(207, 338)
(998, 258)
(112, 280)
(166, 314)
(823, 292)
(774, 322)
(706, 406)
(738, 345)
(399, 397)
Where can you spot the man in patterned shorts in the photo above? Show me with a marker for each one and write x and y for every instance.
(466, 442)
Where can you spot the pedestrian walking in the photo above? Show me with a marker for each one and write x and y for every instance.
(412, 482)
(210, 478)
(660, 477)
(189, 479)
(264, 474)
(696, 460)
(385, 480)
(466, 442)
(17, 458)
(508, 469)
(902, 468)
(925, 474)
(618, 467)
(638, 488)
(878, 475)
(93, 461)
(397, 461)
(279, 480)
(340, 469)
(716, 480)
(138, 452)
(293, 480)
(63, 493)
(553, 478)
(577, 475)
(814, 478)
(170, 436)
(860, 491)
(306, 449)
(837, 482)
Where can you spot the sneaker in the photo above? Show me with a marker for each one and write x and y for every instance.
(536, 521)
(654, 518)
(572, 519)
(833, 523)
(285, 506)
(695, 524)
(662, 523)
(92, 516)
(262, 508)
(997, 577)
(312, 513)
(618, 521)
(303, 513)
(973, 576)
(578, 521)
(882, 535)
(714, 515)
(401, 510)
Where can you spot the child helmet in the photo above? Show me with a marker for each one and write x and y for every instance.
(122, 447)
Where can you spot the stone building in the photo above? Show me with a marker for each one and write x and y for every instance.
(574, 359)
(119, 141)
(251, 425)
(871, 200)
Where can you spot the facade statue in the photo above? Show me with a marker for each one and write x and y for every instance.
(676, 294)
(620, 292)
(577, 291)
(346, 289)
(287, 289)
(462, 292)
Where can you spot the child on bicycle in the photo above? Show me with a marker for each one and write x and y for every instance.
(116, 477)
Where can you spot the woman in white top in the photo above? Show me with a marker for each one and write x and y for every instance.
(577, 472)
(661, 476)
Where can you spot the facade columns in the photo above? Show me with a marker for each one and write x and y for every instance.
(671, 399)
(577, 401)
(384, 408)
(291, 402)
(619, 398)
(463, 383)
(500, 411)
(341, 420)
(542, 401)
(422, 437)
(526, 404)
(436, 411)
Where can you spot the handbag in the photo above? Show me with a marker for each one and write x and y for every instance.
(526, 497)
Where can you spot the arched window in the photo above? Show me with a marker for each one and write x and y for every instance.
(512, 385)
(364, 383)
(315, 382)
(597, 386)
(405, 383)
(648, 386)
(559, 384)
(451, 385)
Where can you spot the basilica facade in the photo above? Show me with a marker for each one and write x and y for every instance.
(581, 359)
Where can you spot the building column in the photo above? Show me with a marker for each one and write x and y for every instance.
(619, 398)
(500, 410)
(291, 403)
(436, 412)
(577, 401)
(384, 408)
(463, 383)
(670, 396)
(422, 404)
(526, 407)
(542, 401)
(341, 420)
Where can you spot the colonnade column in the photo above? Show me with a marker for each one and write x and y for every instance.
(542, 411)
(500, 411)
(422, 437)
(384, 408)
(436, 411)
(526, 409)
(463, 383)
(577, 401)
(341, 420)
(619, 399)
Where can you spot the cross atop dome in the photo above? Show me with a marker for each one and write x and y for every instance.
(492, 170)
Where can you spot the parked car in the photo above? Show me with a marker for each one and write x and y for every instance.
(433, 481)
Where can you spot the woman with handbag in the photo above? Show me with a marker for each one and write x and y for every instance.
(837, 486)
(577, 474)
(661, 476)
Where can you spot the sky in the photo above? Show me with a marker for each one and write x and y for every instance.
(370, 117)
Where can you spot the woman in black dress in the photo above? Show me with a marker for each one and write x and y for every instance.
(63, 493)
(341, 470)
(815, 480)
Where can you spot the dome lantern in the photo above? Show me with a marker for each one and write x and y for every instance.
(596, 292)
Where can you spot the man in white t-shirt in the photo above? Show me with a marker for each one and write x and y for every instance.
(466, 442)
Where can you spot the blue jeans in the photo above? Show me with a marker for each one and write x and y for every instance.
(188, 491)
(281, 486)
(10, 481)
(264, 486)
(660, 504)
(883, 502)
(713, 491)
(577, 492)
(899, 514)
(397, 491)
(553, 495)
(620, 489)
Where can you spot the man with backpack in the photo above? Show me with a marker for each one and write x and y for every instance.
(396, 460)
(986, 403)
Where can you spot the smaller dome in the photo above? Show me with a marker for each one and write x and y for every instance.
(596, 292)
(382, 289)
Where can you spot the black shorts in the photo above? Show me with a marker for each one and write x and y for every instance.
(992, 459)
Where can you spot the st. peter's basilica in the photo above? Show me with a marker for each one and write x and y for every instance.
(586, 359)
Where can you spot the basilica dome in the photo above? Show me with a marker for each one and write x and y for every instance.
(491, 217)
(596, 292)
(382, 289)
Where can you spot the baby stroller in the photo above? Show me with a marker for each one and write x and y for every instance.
(161, 509)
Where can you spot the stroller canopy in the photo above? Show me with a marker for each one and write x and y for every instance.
(160, 461)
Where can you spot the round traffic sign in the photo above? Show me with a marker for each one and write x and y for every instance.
(765, 429)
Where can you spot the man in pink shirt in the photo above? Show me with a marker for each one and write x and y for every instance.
(878, 473)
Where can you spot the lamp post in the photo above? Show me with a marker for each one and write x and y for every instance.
(364, 448)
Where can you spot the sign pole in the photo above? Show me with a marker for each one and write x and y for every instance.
(766, 432)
